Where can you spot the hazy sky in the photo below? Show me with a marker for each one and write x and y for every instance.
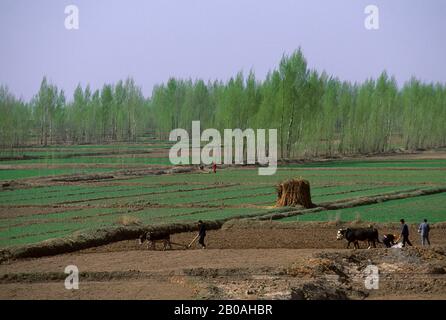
(152, 40)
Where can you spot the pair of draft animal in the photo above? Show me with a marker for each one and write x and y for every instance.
(364, 234)
(351, 235)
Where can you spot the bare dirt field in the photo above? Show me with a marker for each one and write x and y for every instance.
(255, 260)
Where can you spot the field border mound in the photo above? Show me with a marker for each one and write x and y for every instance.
(78, 241)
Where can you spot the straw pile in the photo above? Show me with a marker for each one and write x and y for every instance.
(294, 192)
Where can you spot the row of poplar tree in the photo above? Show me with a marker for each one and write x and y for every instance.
(315, 114)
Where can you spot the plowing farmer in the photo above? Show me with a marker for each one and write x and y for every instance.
(201, 234)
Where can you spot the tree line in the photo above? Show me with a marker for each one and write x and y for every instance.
(315, 114)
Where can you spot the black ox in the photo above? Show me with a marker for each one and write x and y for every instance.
(359, 234)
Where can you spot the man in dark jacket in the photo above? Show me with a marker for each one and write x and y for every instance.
(405, 233)
(201, 233)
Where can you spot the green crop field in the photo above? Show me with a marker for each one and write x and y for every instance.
(39, 210)
(413, 210)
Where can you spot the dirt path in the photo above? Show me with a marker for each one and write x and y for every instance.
(147, 274)
(167, 262)
(148, 289)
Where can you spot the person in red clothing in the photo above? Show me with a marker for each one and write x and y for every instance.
(214, 167)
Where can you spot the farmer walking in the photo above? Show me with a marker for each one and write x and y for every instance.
(405, 233)
(423, 230)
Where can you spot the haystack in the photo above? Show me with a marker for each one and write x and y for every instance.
(294, 192)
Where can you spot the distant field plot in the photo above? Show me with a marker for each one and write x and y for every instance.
(68, 194)
(49, 161)
(93, 160)
(60, 151)
(43, 210)
(14, 174)
(415, 163)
